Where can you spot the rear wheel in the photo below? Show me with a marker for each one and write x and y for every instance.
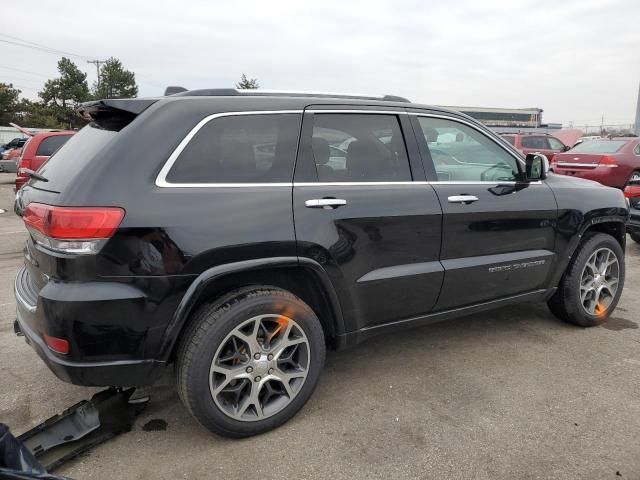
(635, 176)
(591, 287)
(250, 361)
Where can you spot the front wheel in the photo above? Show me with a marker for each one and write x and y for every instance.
(591, 287)
(250, 361)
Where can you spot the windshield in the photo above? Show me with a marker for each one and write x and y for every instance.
(600, 146)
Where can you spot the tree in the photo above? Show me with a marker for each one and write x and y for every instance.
(61, 95)
(246, 83)
(9, 103)
(37, 115)
(115, 81)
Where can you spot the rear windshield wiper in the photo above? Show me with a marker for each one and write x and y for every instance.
(31, 174)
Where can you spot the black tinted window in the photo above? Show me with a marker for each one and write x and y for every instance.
(50, 144)
(240, 149)
(359, 148)
(535, 142)
(74, 155)
(509, 139)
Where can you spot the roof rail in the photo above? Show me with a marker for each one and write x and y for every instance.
(229, 92)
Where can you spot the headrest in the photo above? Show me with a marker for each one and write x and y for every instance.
(363, 159)
(320, 148)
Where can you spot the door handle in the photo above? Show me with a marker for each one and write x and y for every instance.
(466, 199)
(326, 203)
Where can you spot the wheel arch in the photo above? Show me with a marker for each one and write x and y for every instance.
(614, 226)
(303, 277)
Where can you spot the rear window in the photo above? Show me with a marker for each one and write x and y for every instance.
(600, 146)
(240, 149)
(50, 144)
(73, 156)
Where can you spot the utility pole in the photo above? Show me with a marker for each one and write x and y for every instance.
(97, 63)
(637, 126)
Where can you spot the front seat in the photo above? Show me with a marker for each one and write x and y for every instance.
(365, 162)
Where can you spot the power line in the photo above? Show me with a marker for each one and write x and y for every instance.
(24, 71)
(42, 48)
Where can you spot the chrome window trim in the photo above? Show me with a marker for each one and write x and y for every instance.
(356, 184)
(161, 179)
(475, 127)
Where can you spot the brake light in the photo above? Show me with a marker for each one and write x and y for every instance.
(72, 229)
(58, 345)
(632, 191)
(607, 161)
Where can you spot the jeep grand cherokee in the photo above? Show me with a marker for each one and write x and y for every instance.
(237, 235)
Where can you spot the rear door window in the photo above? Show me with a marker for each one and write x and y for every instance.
(359, 148)
(555, 143)
(258, 148)
(50, 144)
(535, 142)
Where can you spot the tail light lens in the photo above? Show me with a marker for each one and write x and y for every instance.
(632, 191)
(607, 161)
(72, 229)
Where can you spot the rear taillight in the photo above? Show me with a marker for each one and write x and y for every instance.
(632, 191)
(607, 161)
(72, 229)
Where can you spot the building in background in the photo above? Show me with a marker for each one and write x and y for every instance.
(510, 119)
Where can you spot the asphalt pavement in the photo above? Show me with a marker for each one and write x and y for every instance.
(512, 393)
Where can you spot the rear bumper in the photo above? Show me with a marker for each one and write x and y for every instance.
(611, 177)
(122, 372)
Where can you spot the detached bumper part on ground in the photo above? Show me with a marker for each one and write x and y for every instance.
(64, 437)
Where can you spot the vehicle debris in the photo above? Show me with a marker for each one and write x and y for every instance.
(64, 437)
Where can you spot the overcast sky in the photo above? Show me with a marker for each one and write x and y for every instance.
(577, 59)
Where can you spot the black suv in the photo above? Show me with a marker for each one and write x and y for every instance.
(237, 235)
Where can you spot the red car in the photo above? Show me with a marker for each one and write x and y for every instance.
(37, 150)
(613, 161)
(536, 143)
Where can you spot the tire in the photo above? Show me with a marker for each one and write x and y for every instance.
(635, 175)
(567, 303)
(219, 347)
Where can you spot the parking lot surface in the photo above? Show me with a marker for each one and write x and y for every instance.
(512, 393)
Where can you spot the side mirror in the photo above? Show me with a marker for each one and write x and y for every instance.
(537, 166)
(566, 148)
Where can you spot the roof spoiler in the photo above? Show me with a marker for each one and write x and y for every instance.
(114, 114)
(171, 90)
(133, 106)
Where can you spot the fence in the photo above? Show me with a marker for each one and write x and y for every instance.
(9, 133)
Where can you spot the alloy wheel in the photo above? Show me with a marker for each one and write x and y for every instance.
(259, 367)
(599, 281)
